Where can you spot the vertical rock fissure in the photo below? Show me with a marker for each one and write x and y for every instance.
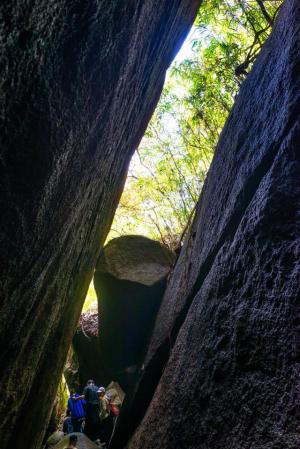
(77, 96)
(139, 398)
(150, 378)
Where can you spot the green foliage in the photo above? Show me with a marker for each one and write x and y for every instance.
(91, 302)
(60, 403)
(167, 172)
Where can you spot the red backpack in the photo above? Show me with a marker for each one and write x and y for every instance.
(114, 409)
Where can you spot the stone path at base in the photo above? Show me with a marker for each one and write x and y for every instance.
(83, 442)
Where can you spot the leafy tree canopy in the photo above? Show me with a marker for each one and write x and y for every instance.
(168, 170)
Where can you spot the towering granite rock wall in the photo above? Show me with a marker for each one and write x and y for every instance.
(79, 81)
(227, 334)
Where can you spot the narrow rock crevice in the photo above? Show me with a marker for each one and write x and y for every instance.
(219, 290)
(136, 407)
(78, 90)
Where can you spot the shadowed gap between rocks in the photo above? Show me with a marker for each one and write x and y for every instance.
(237, 343)
(141, 394)
(130, 280)
(68, 135)
(141, 390)
(116, 348)
(137, 401)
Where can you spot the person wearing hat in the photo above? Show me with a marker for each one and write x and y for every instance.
(106, 418)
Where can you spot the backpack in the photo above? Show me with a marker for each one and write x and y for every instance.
(114, 409)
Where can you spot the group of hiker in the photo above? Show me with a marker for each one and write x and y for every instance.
(92, 413)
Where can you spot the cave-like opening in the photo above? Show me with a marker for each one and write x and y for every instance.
(168, 170)
(189, 328)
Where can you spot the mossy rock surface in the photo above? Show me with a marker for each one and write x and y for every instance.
(55, 438)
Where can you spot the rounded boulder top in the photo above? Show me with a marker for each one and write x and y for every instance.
(83, 442)
(136, 258)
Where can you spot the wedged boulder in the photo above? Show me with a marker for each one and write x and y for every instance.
(54, 438)
(135, 258)
(222, 369)
(83, 442)
(79, 83)
(130, 280)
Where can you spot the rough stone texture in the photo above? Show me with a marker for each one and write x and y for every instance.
(79, 82)
(130, 280)
(55, 438)
(59, 410)
(88, 324)
(83, 442)
(71, 369)
(227, 335)
(136, 258)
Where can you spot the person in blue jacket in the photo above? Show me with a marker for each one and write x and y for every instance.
(76, 407)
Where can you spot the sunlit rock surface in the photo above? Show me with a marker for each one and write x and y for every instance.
(222, 370)
(135, 258)
(79, 82)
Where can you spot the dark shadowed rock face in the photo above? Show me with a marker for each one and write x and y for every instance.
(79, 82)
(231, 378)
(87, 349)
(130, 280)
